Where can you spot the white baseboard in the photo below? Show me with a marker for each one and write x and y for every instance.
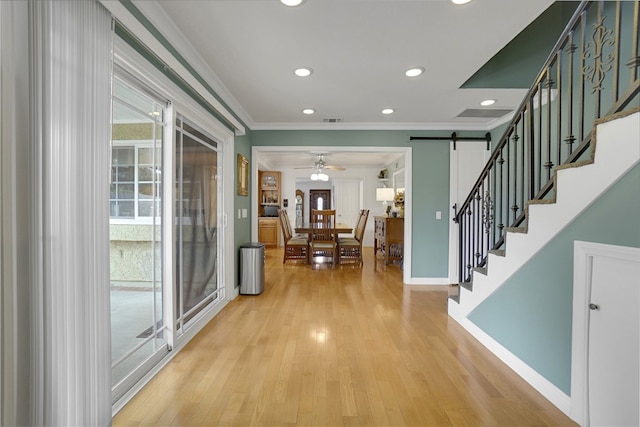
(428, 281)
(537, 381)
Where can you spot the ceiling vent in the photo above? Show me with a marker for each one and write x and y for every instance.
(332, 120)
(485, 113)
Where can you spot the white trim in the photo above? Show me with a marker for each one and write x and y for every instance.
(583, 254)
(537, 381)
(138, 29)
(439, 281)
(385, 126)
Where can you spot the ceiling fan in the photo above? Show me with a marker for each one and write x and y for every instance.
(319, 166)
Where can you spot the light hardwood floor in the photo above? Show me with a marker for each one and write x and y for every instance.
(348, 346)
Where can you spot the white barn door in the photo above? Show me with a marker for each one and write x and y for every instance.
(466, 162)
(347, 195)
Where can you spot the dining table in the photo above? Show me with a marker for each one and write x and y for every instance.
(306, 228)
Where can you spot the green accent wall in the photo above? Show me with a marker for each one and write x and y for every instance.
(517, 64)
(241, 226)
(531, 313)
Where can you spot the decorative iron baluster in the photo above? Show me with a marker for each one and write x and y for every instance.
(595, 72)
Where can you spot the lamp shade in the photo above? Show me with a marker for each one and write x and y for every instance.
(384, 194)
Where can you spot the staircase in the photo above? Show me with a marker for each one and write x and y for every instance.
(575, 135)
(616, 149)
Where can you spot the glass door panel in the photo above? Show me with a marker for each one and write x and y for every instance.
(197, 218)
(137, 325)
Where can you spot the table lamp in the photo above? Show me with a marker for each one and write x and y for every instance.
(385, 195)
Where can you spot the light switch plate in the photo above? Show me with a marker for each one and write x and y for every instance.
(438, 214)
(244, 212)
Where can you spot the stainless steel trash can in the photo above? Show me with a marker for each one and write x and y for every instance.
(252, 268)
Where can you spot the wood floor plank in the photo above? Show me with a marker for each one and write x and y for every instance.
(343, 347)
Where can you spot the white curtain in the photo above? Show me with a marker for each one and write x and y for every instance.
(58, 330)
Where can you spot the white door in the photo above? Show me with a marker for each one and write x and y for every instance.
(614, 343)
(465, 164)
(348, 200)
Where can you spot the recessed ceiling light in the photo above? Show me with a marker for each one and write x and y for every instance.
(303, 72)
(460, 1)
(308, 111)
(488, 102)
(388, 111)
(291, 2)
(414, 72)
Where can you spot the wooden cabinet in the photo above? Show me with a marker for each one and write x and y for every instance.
(269, 194)
(269, 201)
(388, 238)
(269, 232)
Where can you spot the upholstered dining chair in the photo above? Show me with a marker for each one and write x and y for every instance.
(350, 248)
(295, 248)
(323, 241)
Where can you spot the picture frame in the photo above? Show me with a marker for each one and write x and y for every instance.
(243, 175)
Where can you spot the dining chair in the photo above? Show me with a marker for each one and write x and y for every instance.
(350, 248)
(295, 247)
(323, 241)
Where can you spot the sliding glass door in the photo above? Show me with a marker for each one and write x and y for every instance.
(136, 240)
(198, 240)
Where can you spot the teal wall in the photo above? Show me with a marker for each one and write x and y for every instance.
(430, 182)
(242, 226)
(531, 313)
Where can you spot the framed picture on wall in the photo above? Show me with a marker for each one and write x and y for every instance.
(243, 175)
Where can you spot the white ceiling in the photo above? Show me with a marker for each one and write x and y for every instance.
(358, 49)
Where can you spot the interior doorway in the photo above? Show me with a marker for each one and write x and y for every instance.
(319, 199)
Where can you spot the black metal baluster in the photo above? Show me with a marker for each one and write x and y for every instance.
(540, 136)
(582, 79)
(494, 191)
(523, 155)
(558, 104)
(514, 138)
(570, 139)
(501, 211)
(531, 149)
(616, 53)
(548, 164)
(634, 62)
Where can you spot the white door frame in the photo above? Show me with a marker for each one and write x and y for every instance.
(407, 151)
(583, 254)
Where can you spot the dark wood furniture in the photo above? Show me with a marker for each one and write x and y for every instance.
(324, 239)
(295, 248)
(350, 248)
(389, 238)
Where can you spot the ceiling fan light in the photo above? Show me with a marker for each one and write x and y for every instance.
(314, 177)
(323, 177)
